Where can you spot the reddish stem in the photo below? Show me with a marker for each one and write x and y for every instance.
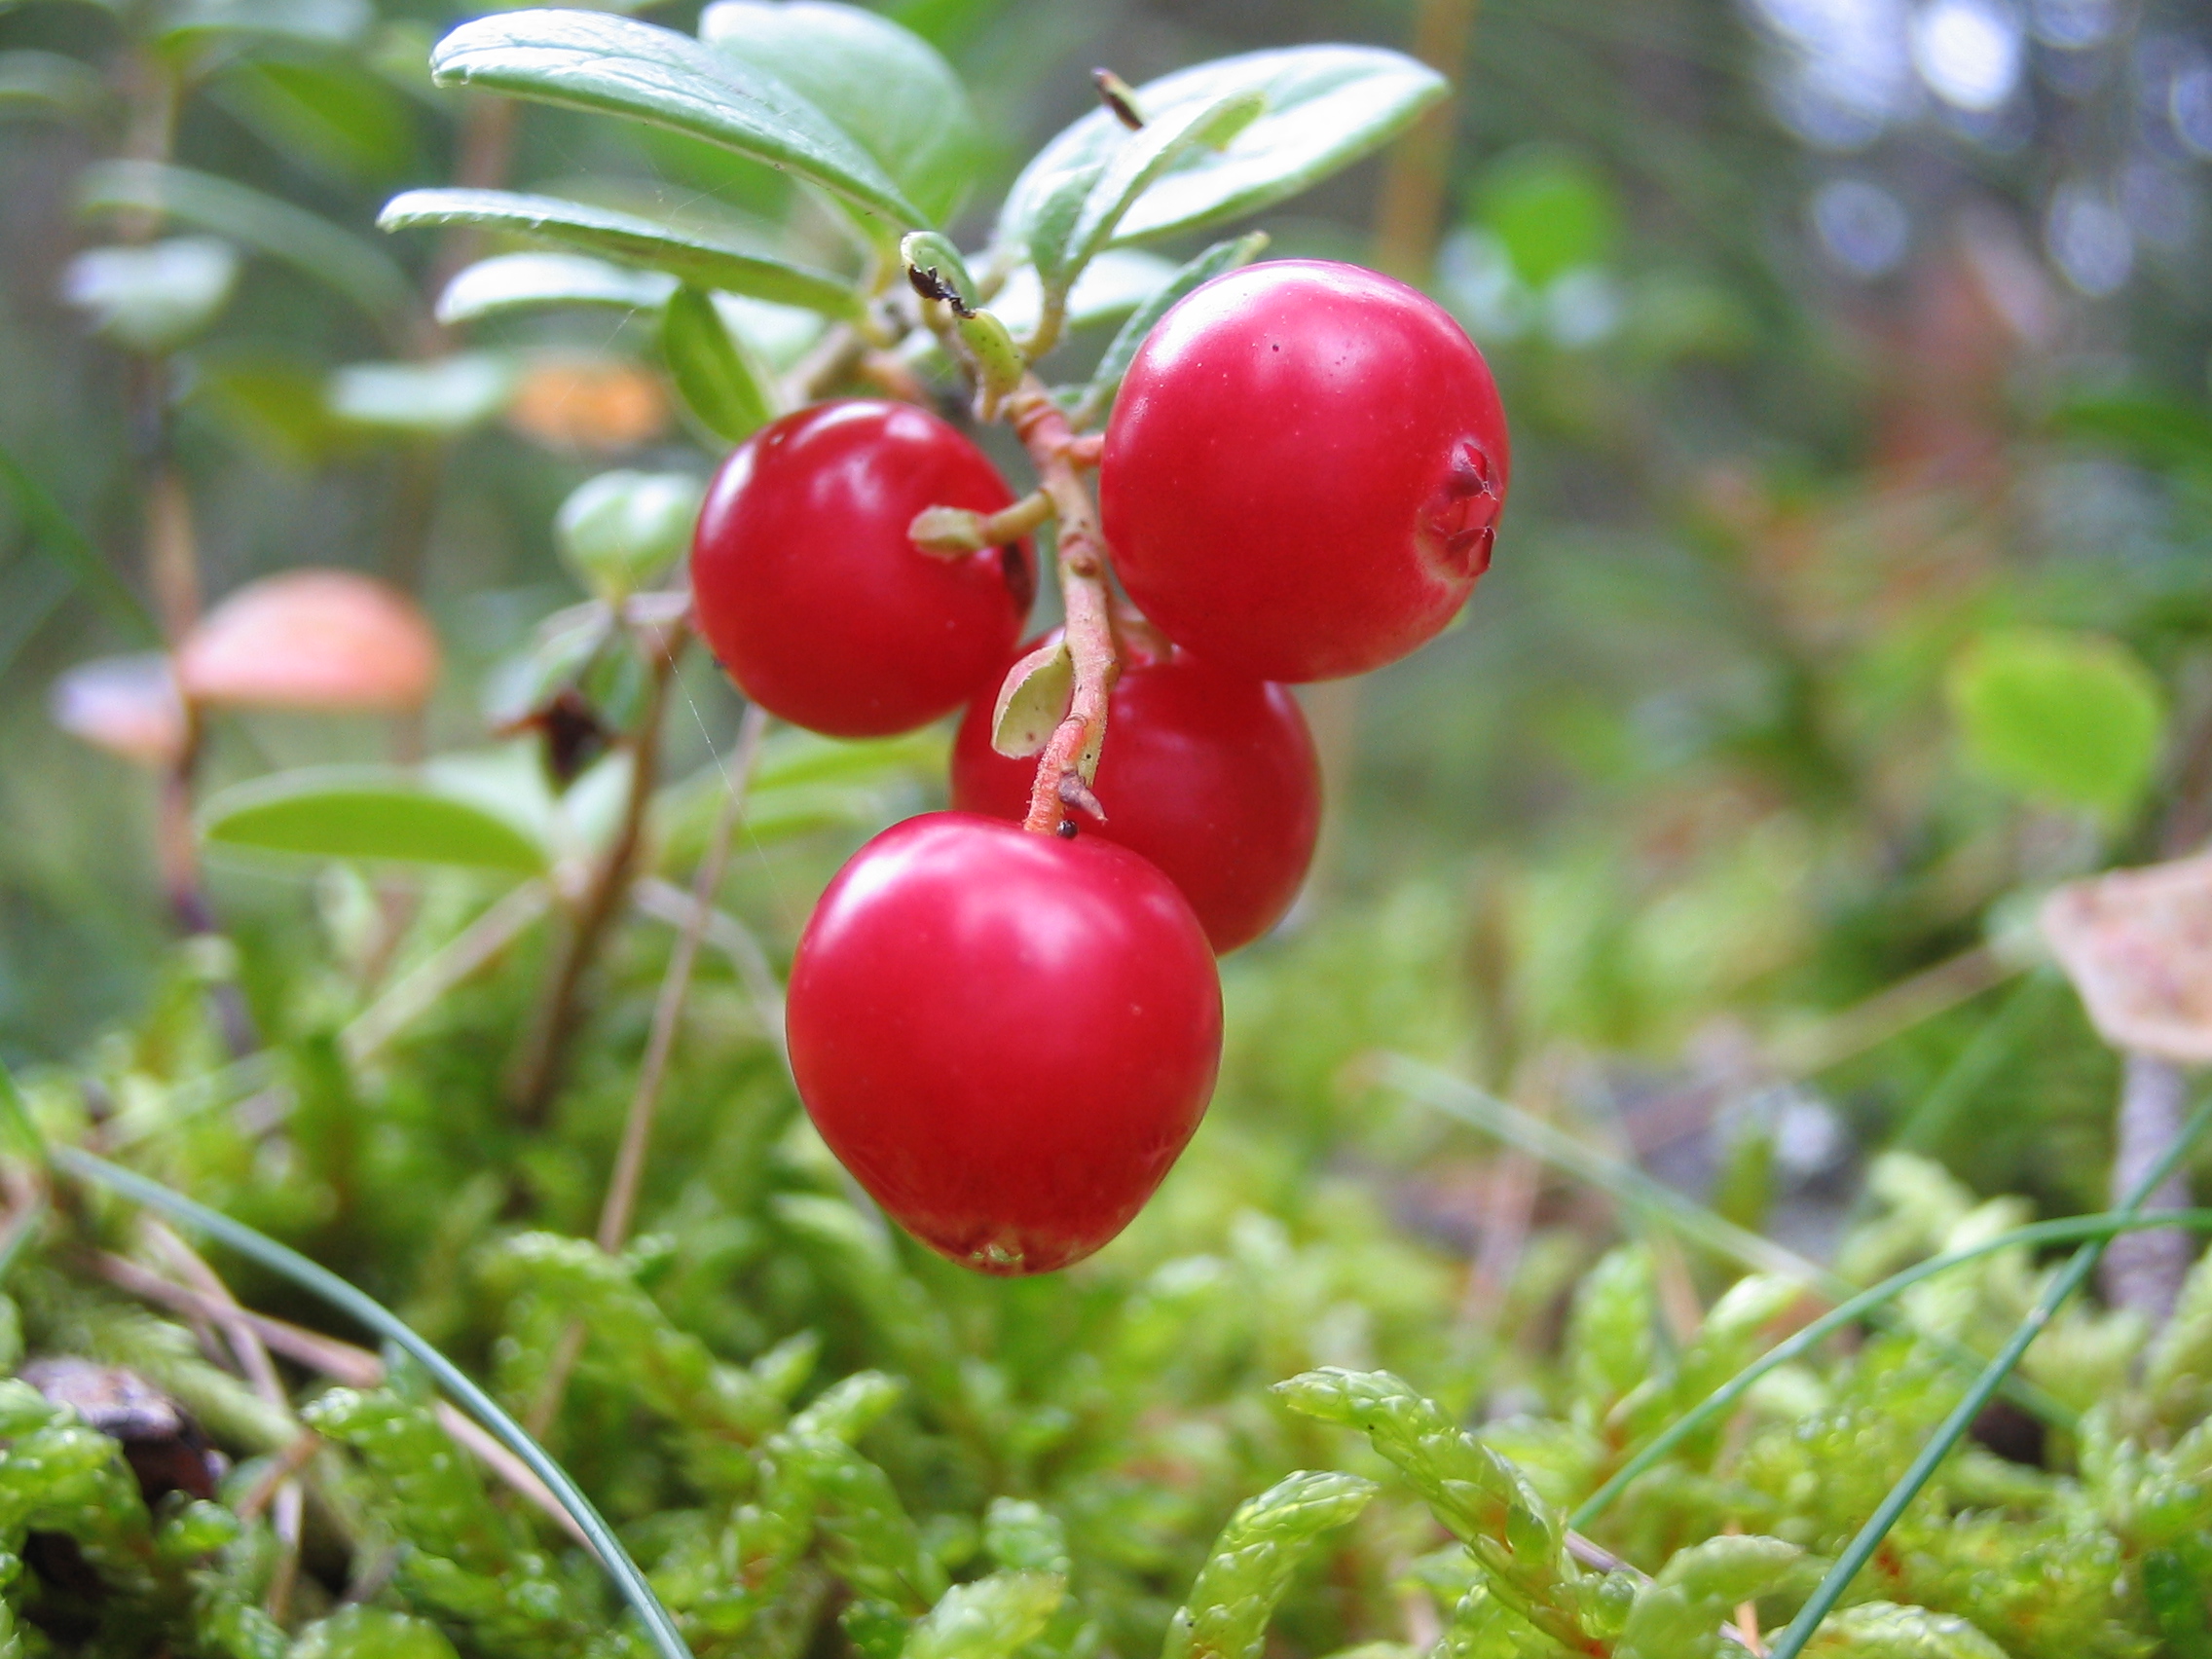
(1070, 758)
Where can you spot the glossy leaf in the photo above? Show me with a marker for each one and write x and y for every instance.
(153, 298)
(687, 255)
(1111, 286)
(434, 398)
(46, 82)
(1074, 220)
(886, 86)
(307, 241)
(2069, 718)
(531, 281)
(191, 24)
(365, 812)
(621, 531)
(617, 66)
(721, 381)
(1326, 107)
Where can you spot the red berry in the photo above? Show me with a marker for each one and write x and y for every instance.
(810, 592)
(1006, 1036)
(1208, 774)
(1304, 470)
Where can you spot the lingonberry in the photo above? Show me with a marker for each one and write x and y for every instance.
(1209, 774)
(810, 592)
(1304, 470)
(1006, 1036)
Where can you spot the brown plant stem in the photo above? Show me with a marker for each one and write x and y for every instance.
(1070, 758)
(1414, 178)
(537, 1072)
(619, 1210)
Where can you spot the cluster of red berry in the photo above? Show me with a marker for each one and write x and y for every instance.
(1008, 1036)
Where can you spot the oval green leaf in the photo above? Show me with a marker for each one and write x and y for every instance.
(365, 812)
(1326, 107)
(307, 241)
(721, 381)
(2069, 718)
(439, 397)
(687, 255)
(531, 281)
(618, 66)
(885, 86)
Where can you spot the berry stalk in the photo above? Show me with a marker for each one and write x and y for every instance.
(1070, 759)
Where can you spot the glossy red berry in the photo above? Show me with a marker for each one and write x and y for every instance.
(812, 595)
(1006, 1036)
(1210, 775)
(1304, 471)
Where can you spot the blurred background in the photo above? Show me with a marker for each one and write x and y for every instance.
(1857, 357)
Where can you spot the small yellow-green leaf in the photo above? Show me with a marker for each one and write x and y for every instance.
(366, 812)
(2074, 719)
(1033, 700)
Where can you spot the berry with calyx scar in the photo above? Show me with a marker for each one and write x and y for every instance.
(1304, 470)
(1006, 1036)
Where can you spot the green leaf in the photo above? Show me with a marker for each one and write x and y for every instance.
(360, 1631)
(366, 812)
(886, 86)
(687, 255)
(154, 298)
(189, 25)
(438, 398)
(342, 119)
(1025, 1536)
(1075, 219)
(1106, 380)
(1552, 211)
(1883, 1630)
(2160, 431)
(622, 530)
(2069, 718)
(1680, 1613)
(1252, 1562)
(590, 60)
(1326, 107)
(528, 282)
(307, 241)
(989, 1618)
(46, 82)
(1033, 700)
(733, 395)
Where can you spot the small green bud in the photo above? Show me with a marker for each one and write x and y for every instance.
(621, 531)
